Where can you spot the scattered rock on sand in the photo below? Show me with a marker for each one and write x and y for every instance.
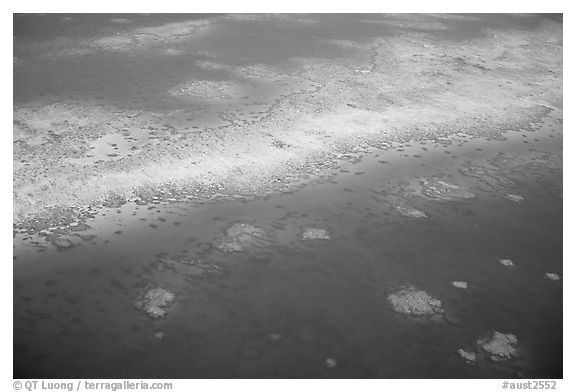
(468, 356)
(514, 198)
(155, 301)
(506, 262)
(552, 276)
(159, 335)
(330, 363)
(239, 236)
(315, 234)
(415, 302)
(439, 189)
(460, 285)
(500, 346)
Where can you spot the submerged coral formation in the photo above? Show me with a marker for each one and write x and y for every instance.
(206, 89)
(468, 356)
(330, 363)
(315, 234)
(239, 236)
(490, 176)
(506, 262)
(406, 210)
(500, 346)
(155, 302)
(61, 242)
(460, 285)
(439, 189)
(274, 337)
(196, 267)
(514, 198)
(415, 302)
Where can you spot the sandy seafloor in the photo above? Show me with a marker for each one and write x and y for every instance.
(140, 139)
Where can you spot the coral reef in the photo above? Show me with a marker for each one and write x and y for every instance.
(61, 242)
(415, 302)
(439, 189)
(460, 285)
(406, 210)
(489, 176)
(320, 107)
(506, 262)
(330, 363)
(514, 198)
(499, 346)
(196, 267)
(240, 236)
(314, 234)
(468, 356)
(155, 302)
(552, 276)
(206, 89)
